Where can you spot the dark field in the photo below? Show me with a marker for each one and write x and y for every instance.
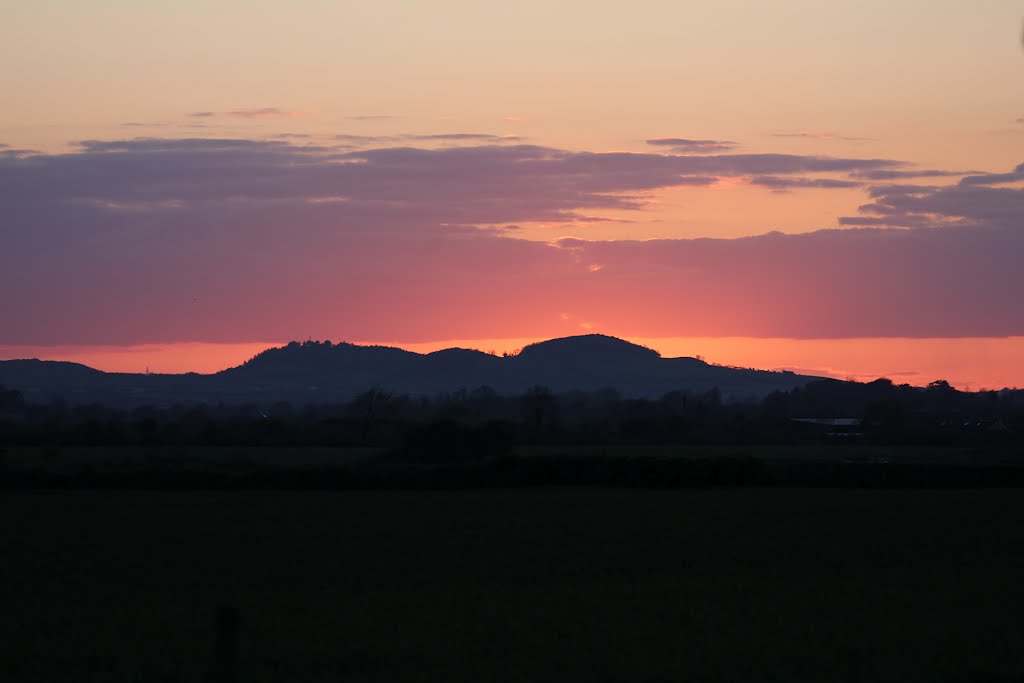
(526, 585)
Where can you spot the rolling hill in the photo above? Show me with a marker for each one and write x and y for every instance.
(323, 372)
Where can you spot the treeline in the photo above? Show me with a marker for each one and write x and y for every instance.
(469, 423)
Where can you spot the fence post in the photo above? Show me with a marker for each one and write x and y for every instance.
(227, 645)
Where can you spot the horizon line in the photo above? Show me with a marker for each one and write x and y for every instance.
(968, 363)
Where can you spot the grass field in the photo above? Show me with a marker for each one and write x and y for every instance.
(527, 585)
(71, 458)
(62, 458)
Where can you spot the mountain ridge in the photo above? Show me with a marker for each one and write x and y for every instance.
(323, 371)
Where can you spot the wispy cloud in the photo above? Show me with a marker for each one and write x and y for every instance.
(485, 183)
(1014, 176)
(266, 113)
(465, 136)
(262, 113)
(893, 174)
(148, 124)
(371, 117)
(355, 140)
(970, 203)
(783, 183)
(691, 146)
(820, 136)
(6, 151)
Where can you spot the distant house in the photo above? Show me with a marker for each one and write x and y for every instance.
(974, 424)
(838, 427)
(985, 424)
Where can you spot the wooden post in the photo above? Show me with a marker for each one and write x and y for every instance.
(226, 664)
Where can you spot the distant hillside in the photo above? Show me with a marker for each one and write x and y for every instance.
(594, 348)
(317, 361)
(33, 371)
(321, 372)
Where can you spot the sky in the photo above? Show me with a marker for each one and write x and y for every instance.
(833, 187)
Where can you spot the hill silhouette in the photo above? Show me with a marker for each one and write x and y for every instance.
(589, 347)
(321, 371)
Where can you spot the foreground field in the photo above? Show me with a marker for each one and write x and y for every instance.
(525, 585)
(245, 459)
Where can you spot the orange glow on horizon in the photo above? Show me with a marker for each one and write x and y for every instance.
(171, 358)
(967, 363)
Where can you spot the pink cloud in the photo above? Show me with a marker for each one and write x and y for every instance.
(820, 136)
(263, 113)
(266, 113)
(151, 240)
(691, 146)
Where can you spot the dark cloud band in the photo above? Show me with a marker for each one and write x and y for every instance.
(231, 240)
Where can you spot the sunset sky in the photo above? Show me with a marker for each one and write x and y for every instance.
(831, 187)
